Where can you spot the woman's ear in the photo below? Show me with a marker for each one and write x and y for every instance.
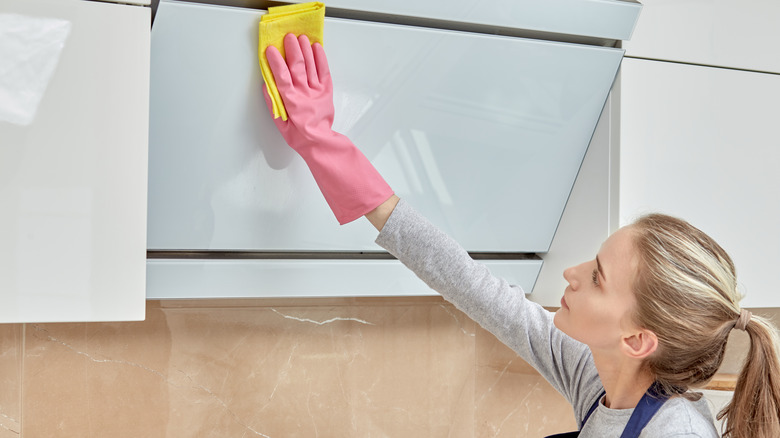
(640, 344)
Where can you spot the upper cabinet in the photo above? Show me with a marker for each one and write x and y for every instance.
(478, 113)
(74, 108)
(701, 143)
(726, 33)
(483, 134)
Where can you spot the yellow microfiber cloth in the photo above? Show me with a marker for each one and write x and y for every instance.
(304, 18)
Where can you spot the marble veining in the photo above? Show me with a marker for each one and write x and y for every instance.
(449, 312)
(367, 368)
(10, 379)
(352, 368)
(50, 338)
(520, 405)
(9, 424)
(283, 373)
(496, 380)
(223, 404)
(338, 318)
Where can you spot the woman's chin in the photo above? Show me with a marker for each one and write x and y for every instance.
(557, 319)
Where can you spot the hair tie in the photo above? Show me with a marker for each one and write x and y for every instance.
(742, 321)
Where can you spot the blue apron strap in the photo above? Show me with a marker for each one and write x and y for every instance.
(650, 403)
(592, 408)
(585, 419)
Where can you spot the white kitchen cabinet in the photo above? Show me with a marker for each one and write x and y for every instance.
(701, 143)
(73, 164)
(741, 34)
(483, 134)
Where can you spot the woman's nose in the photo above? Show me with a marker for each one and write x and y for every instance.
(570, 276)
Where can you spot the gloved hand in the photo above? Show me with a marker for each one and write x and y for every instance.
(351, 185)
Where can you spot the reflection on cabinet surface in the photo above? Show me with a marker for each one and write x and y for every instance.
(73, 180)
(488, 154)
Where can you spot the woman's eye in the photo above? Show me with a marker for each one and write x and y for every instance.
(595, 277)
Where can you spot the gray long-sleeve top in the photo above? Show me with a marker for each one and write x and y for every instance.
(527, 328)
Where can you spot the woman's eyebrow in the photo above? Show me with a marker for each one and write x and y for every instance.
(598, 266)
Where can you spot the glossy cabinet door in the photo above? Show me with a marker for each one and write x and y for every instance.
(483, 134)
(73, 170)
(701, 143)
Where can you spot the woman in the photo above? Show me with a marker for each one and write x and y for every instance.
(640, 325)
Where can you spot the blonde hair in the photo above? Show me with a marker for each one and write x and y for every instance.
(686, 294)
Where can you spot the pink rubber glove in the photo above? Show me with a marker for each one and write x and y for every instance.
(351, 185)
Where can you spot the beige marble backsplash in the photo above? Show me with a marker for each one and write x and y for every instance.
(403, 367)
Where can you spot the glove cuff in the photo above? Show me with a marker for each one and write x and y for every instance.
(349, 182)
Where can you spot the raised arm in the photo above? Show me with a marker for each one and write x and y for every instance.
(353, 188)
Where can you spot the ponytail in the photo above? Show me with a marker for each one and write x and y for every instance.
(686, 293)
(754, 411)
